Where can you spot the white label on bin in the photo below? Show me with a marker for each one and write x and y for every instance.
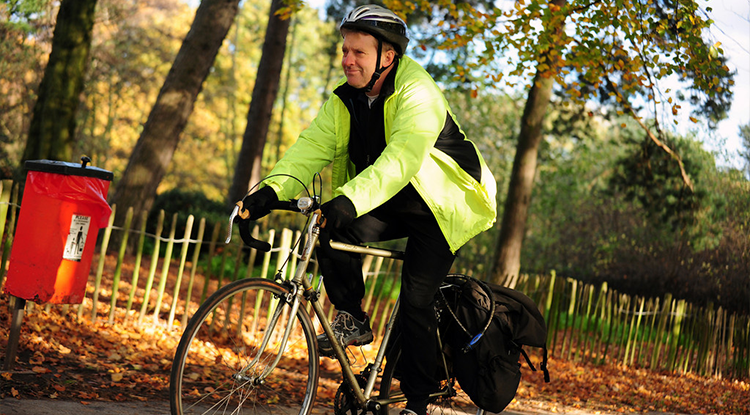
(79, 228)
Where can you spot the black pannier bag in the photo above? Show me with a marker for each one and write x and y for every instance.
(486, 326)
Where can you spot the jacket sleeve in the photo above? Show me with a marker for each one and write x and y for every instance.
(414, 116)
(314, 150)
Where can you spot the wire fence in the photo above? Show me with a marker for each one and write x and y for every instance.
(161, 277)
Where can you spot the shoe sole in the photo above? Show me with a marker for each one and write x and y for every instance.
(353, 342)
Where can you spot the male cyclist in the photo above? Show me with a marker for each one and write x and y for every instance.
(402, 168)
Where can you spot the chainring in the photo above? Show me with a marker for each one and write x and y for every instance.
(344, 403)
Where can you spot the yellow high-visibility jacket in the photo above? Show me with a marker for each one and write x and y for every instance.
(414, 116)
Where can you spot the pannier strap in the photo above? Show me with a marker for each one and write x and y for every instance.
(543, 366)
(528, 361)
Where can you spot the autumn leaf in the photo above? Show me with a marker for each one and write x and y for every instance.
(87, 395)
(37, 359)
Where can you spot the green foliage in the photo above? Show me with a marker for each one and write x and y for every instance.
(53, 123)
(20, 14)
(226, 268)
(133, 47)
(25, 32)
(652, 177)
(588, 223)
(611, 51)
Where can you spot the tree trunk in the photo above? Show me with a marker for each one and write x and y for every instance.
(155, 147)
(248, 169)
(508, 263)
(53, 123)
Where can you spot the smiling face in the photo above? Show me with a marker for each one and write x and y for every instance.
(359, 57)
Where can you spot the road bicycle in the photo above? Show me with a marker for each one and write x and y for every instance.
(251, 347)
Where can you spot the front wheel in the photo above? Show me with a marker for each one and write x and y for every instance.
(222, 367)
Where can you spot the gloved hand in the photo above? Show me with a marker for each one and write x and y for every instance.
(339, 212)
(258, 204)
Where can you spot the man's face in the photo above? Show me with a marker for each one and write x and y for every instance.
(359, 58)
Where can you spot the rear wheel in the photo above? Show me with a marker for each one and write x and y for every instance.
(221, 366)
(451, 399)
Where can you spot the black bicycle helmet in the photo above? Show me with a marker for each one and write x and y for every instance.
(380, 22)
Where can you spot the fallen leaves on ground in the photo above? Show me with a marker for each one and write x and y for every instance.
(612, 389)
(62, 357)
(85, 361)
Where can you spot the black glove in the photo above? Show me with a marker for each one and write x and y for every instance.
(339, 212)
(258, 204)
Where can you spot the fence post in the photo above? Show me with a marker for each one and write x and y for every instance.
(611, 307)
(688, 357)
(550, 294)
(181, 269)
(653, 307)
(601, 324)
(118, 268)
(152, 267)
(100, 268)
(568, 340)
(664, 315)
(252, 255)
(138, 258)
(196, 254)
(210, 261)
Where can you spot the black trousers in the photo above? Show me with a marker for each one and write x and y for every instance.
(427, 261)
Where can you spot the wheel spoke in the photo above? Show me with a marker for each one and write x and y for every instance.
(219, 367)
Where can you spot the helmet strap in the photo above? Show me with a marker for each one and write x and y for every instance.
(378, 70)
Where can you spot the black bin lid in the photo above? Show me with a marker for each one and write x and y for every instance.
(69, 169)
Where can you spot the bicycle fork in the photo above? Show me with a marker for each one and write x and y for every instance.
(290, 298)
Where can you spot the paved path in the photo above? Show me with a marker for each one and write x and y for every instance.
(10, 406)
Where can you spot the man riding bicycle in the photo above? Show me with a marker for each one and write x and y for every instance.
(401, 168)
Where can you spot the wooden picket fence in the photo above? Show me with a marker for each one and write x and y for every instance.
(586, 322)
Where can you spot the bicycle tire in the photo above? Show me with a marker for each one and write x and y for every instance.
(205, 377)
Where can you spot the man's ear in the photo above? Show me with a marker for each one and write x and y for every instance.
(390, 56)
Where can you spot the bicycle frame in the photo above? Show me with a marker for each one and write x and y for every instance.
(294, 298)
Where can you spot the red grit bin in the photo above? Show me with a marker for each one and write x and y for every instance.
(64, 205)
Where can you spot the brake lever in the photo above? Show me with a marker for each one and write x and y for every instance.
(237, 211)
